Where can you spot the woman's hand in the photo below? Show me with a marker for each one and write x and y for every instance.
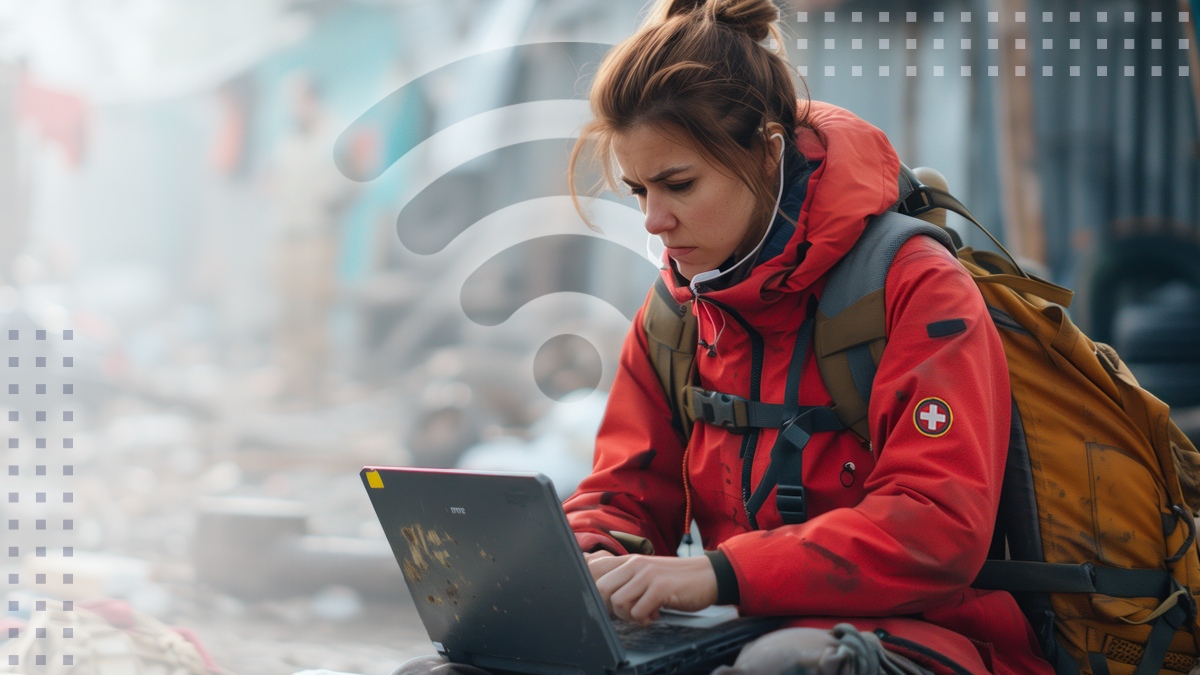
(589, 557)
(635, 587)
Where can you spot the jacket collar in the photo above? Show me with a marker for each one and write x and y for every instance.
(797, 170)
(853, 176)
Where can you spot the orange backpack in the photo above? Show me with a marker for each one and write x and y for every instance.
(1095, 536)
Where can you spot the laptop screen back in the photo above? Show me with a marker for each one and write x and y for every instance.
(492, 566)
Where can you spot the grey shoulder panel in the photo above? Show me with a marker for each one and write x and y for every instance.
(864, 268)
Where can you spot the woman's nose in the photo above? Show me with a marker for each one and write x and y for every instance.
(659, 218)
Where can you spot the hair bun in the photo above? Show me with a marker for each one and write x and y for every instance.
(755, 18)
(666, 9)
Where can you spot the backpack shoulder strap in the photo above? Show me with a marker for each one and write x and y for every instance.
(671, 332)
(848, 348)
(850, 330)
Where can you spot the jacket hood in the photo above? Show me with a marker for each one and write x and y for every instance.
(856, 178)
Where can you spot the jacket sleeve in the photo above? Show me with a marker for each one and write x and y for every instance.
(922, 531)
(636, 484)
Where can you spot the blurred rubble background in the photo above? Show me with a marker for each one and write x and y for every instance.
(251, 326)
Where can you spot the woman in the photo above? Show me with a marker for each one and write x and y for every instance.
(755, 197)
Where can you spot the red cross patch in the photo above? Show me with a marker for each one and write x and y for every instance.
(933, 417)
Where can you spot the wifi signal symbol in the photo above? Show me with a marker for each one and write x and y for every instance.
(494, 166)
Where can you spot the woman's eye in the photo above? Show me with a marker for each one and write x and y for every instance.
(679, 187)
(637, 191)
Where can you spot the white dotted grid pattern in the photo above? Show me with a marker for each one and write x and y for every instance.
(993, 44)
(39, 420)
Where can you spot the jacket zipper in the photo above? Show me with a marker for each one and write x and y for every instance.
(750, 440)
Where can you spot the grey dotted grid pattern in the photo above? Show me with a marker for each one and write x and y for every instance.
(885, 45)
(32, 441)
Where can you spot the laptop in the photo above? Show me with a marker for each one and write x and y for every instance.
(500, 583)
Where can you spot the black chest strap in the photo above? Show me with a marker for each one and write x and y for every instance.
(797, 424)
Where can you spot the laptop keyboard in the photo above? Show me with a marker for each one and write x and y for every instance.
(657, 636)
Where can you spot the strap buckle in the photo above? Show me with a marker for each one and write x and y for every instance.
(725, 410)
(791, 503)
(917, 202)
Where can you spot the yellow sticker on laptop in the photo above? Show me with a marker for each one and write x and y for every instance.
(374, 480)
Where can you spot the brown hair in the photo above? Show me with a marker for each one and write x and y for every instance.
(697, 65)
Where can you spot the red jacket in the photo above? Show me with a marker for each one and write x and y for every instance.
(896, 531)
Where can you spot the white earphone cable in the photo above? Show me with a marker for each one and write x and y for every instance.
(705, 277)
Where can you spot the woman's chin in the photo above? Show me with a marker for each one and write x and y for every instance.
(687, 267)
(687, 271)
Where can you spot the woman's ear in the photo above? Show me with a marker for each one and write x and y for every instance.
(773, 140)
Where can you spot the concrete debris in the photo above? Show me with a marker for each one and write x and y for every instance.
(244, 517)
(260, 548)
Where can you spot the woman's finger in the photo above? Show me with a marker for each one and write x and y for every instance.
(648, 603)
(627, 596)
(598, 566)
(615, 573)
(620, 586)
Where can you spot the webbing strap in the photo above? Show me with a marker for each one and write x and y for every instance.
(1098, 663)
(1064, 664)
(1020, 576)
(786, 471)
(935, 198)
(1163, 607)
(1160, 640)
(791, 395)
(739, 415)
(1121, 583)
(1185, 517)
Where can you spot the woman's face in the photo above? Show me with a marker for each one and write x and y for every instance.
(702, 214)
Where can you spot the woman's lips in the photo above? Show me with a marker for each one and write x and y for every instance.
(679, 252)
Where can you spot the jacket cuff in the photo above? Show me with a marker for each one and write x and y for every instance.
(727, 583)
(590, 542)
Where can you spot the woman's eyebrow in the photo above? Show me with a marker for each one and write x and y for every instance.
(665, 173)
